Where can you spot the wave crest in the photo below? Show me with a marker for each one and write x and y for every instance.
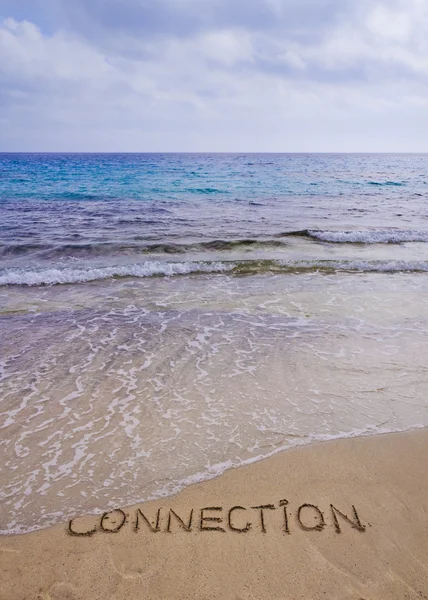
(82, 275)
(53, 276)
(375, 236)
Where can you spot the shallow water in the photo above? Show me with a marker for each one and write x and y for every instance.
(131, 368)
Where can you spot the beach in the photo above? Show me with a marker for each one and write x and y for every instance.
(344, 519)
(213, 300)
(224, 359)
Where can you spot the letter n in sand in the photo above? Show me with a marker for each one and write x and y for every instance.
(152, 527)
(356, 523)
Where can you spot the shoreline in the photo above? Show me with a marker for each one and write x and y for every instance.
(338, 519)
(130, 402)
(207, 476)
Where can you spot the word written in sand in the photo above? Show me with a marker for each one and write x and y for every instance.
(237, 519)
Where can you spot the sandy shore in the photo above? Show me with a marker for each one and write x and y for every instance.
(343, 519)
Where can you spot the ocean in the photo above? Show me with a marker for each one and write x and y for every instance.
(165, 317)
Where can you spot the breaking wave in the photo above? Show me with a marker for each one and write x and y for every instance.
(54, 276)
(375, 236)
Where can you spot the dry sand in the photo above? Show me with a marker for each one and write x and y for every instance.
(381, 551)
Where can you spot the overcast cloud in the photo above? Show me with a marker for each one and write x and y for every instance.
(214, 75)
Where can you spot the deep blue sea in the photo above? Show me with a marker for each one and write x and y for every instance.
(164, 317)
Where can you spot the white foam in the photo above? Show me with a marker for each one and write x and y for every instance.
(212, 471)
(202, 382)
(78, 275)
(379, 236)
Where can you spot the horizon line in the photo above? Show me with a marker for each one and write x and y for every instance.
(202, 152)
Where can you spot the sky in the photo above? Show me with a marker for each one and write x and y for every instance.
(214, 75)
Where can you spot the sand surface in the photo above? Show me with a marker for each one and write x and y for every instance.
(298, 547)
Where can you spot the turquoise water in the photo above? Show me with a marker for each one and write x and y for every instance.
(144, 214)
(230, 177)
(166, 317)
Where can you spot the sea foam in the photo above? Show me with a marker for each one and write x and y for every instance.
(379, 236)
(79, 275)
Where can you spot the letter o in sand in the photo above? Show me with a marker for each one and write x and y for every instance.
(321, 523)
(106, 517)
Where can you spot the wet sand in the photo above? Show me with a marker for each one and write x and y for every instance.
(118, 392)
(341, 519)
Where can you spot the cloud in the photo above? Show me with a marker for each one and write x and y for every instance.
(184, 75)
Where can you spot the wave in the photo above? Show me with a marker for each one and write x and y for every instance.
(138, 245)
(206, 190)
(52, 276)
(330, 266)
(70, 249)
(396, 183)
(56, 276)
(373, 236)
(211, 245)
(380, 266)
(7, 249)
